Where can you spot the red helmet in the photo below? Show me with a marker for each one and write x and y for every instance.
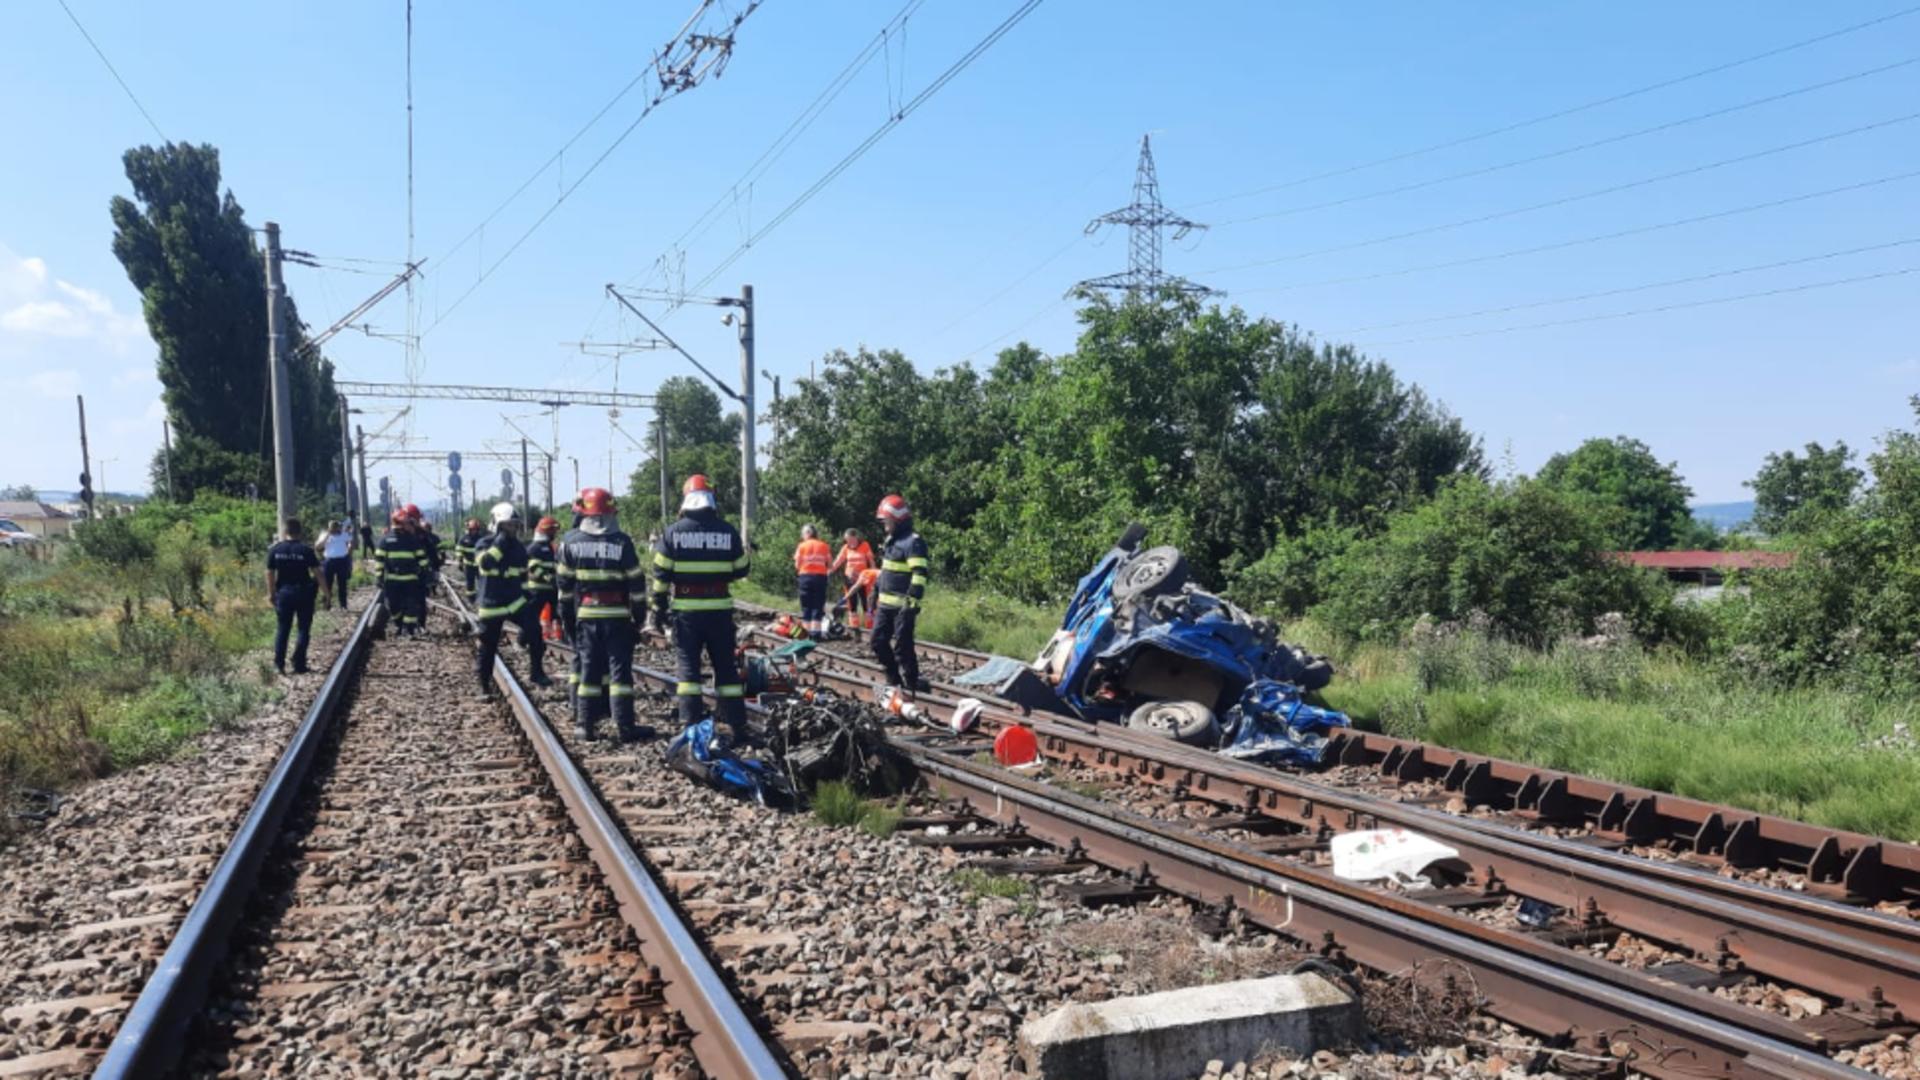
(596, 501)
(400, 517)
(893, 508)
(696, 482)
(545, 525)
(411, 511)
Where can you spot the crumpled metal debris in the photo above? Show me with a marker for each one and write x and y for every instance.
(1273, 723)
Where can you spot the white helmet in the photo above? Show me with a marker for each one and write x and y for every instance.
(503, 513)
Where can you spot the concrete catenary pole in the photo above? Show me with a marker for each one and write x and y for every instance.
(346, 461)
(360, 435)
(526, 487)
(749, 483)
(284, 501)
(86, 459)
(660, 451)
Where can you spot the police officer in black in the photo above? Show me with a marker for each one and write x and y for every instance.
(500, 563)
(291, 586)
(695, 563)
(903, 584)
(601, 587)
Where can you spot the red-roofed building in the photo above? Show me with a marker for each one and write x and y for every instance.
(1706, 567)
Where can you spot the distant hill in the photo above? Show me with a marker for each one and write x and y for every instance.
(1724, 515)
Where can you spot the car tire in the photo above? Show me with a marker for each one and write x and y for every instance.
(1131, 536)
(1182, 721)
(1152, 572)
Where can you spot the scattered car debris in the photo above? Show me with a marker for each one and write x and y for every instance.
(1397, 855)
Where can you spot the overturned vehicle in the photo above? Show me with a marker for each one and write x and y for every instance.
(1141, 644)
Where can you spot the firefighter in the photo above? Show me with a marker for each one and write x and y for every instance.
(464, 548)
(601, 580)
(812, 561)
(854, 560)
(433, 556)
(398, 566)
(694, 566)
(540, 591)
(500, 562)
(902, 586)
(290, 585)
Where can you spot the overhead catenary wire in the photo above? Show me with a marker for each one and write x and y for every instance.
(1667, 283)
(115, 72)
(1559, 245)
(896, 119)
(667, 92)
(1532, 159)
(1565, 200)
(1566, 112)
(1683, 305)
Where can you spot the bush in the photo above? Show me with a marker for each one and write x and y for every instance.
(1529, 560)
(1292, 576)
(113, 541)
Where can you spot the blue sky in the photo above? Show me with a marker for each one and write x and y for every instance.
(958, 233)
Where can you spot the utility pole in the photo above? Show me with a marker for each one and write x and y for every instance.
(660, 439)
(166, 452)
(277, 376)
(576, 473)
(360, 433)
(526, 485)
(86, 460)
(749, 483)
(549, 481)
(473, 495)
(346, 460)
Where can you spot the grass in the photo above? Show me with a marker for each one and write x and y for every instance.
(98, 673)
(835, 803)
(1656, 720)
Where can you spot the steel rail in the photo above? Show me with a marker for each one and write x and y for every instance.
(725, 1040)
(1838, 950)
(154, 1032)
(1650, 1034)
(1661, 1029)
(1836, 862)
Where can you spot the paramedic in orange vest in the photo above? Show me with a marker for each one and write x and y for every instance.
(812, 560)
(854, 560)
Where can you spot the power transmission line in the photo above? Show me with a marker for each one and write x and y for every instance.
(676, 74)
(111, 70)
(1578, 241)
(868, 143)
(1567, 199)
(1668, 283)
(1564, 151)
(1562, 113)
(1809, 286)
(798, 127)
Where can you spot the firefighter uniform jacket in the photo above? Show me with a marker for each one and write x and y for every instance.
(466, 547)
(435, 549)
(599, 575)
(399, 557)
(502, 563)
(540, 567)
(903, 569)
(696, 561)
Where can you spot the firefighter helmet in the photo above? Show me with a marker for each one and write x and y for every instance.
(697, 494)
(596, 501)
(504, 512)
(412, 511)
(893, 508)
(546, 525)
(400, 516)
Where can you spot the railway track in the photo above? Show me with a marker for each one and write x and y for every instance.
(424, 879)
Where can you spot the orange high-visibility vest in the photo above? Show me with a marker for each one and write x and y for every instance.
(812, 557)
(857, 558)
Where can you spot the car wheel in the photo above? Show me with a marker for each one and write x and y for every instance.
(1156, 570)
(1182, 721)
(1130, 537)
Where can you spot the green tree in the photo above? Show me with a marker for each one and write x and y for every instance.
(189, 251)
(1643, 501)
(1790, 486)
(699, 440)
(1525, 555)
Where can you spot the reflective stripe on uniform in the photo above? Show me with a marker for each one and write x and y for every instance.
(600, 575)
(702, 567)
(730, 690)
(587, 689)
(401, 577)
(890, 599)
(688, 688)
(619, 690)
(703, 603)
(612, 611)
(499, 612)
(898, 566)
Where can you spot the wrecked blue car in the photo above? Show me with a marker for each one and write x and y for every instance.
(1142, 645)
